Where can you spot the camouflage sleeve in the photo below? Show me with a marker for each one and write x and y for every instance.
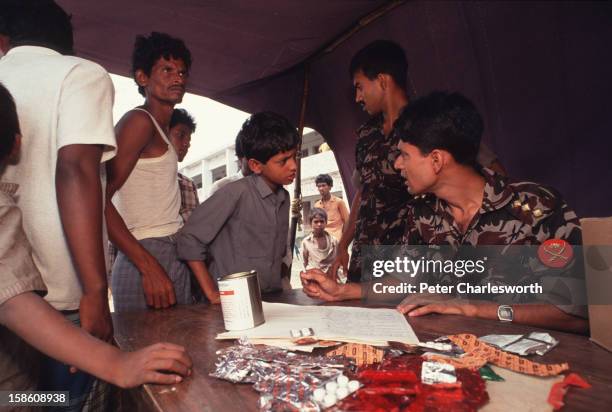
(566, 288)
(412, 235)
(563, 223)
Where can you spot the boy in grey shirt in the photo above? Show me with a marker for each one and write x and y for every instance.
(244, 225)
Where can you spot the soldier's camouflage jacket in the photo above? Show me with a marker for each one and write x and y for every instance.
(514, 214)
(382, 212)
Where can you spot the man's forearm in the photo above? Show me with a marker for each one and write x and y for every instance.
(31, 318)
(200, 271)
(79, 198)
(540, 315)
(349, 228)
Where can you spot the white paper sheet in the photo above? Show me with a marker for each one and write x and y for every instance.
(340, 323)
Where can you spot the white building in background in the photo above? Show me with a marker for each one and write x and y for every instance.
(317, 158)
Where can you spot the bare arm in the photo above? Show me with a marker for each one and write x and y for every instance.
(30, 317)
(134, 132)
(318, 285)
(305, 255)
(206, 282)
(342, 258)
(344, 213)
(79, 198)
(540, 315)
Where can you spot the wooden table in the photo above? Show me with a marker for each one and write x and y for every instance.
(196, 327)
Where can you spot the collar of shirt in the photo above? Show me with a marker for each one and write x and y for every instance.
(332, 199)
(377, 122)
(497, 194)
(32, 50)
(9, 188)
(264, 190)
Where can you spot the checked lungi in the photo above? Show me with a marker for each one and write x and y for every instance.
(126, 280)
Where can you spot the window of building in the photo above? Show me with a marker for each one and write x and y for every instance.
(197, 179)
(218, 173)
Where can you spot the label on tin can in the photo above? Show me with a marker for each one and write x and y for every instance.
(236, 304)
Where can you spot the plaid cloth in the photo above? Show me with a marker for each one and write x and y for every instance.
(189, 196)
(126, 281)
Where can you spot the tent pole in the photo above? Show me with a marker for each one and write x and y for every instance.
(296, 206)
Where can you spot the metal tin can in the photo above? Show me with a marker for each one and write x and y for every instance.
(241, 300)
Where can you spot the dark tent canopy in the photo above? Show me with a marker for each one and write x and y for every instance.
(538, 71)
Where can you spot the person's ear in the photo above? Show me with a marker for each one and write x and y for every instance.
(13, 157)
(4, 44)
(141, 78)
(256, 166)
(383, 80)
(437, 160)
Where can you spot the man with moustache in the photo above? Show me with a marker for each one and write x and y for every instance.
(143, 216)
(378, 211)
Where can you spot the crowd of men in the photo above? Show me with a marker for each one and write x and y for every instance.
(69, 178)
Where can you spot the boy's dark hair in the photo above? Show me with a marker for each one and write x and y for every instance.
(317, 212)
(381, 56)
(148, 50)
(37, 23)
(9, 123)
(182, 116)
(442, 120)
(238, 147)
(266, 134)
(324, 178)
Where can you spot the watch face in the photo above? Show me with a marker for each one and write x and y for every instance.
(505, 313)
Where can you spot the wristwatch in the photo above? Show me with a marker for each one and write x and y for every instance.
(505, 313)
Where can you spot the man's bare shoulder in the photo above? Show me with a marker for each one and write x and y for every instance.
(135, 123)
(135, 117)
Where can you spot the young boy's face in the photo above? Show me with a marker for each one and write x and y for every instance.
(318, 225)
(180, 137)
(279, 170)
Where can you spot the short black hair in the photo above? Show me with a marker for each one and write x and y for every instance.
(182, 116)
(148, 50)
(442, 120)
(9, 123)
(238, 147)
(324, 178)
(381, 56)
(265, 134)
(317, 211)
(37, 23)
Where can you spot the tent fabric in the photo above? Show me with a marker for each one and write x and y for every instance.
(538, 71)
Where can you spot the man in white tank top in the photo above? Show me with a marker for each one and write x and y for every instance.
(144, 213)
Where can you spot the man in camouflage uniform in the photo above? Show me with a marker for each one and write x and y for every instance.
(458, 203)
(378, 210)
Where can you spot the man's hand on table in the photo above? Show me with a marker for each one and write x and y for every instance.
(425, 303)
(143, 366)
(318, 285)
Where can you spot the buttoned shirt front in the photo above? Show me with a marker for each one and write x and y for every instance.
(242, 226)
